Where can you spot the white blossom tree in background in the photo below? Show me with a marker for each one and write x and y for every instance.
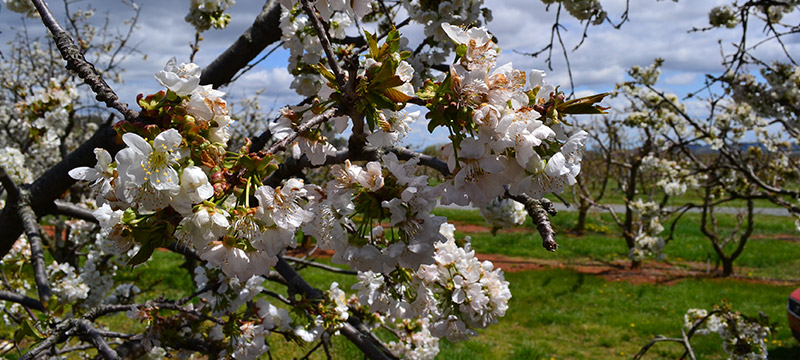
(742, 146)
(164, 176)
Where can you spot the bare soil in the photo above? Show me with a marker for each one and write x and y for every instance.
(651, 272)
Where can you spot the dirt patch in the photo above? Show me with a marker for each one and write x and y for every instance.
(651, 272)
(784, 237)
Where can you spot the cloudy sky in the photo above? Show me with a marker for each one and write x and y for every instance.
(656, 29)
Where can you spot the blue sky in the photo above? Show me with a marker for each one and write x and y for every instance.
(656, 29)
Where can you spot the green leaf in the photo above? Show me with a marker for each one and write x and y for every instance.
(396, 95)
(144, 253)
(372, 42)
(381, 101)
(384, 73)
(393, 40)
(391, 82)
(26, 329)
(247, 162)
(584, 105)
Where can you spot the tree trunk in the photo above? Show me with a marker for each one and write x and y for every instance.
(727, 266)
(583, 210)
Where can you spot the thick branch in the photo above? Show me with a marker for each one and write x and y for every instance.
(96, 338)
(18, 201)
(31, 226)
(264, 31)
(53, 183)
(22, 300)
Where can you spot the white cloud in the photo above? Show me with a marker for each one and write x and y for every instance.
(655, 29)
(681, 79)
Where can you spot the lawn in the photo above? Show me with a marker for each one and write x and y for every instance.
(562, 313)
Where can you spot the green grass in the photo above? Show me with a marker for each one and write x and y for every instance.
(766, 254)
(563, 314)
(560, 313)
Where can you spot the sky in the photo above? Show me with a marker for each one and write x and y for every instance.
(656, 29)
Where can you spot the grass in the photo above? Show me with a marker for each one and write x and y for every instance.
(561, 313)
(766, 255)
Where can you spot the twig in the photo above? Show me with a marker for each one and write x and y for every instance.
(78, 64)
(298, 286)
(320, 266)
(540, 211)
(73, 211)
(324, 40)
(319, 119)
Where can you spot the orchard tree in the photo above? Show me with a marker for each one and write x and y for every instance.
(743, 147)
(164, 175)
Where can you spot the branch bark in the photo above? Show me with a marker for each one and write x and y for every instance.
(264, 31)
(78, 64)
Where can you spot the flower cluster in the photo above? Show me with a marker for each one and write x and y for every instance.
(743, 338)
(12, 160)
(450, 298)
(518, 136)
(672, 177)
(647, 242)
(723, 16)
(203, 14)
(395, 195)
(504, 213)
(300, 37)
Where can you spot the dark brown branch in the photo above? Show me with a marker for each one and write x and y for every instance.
(324, 40)
(73, 211)
(79, 65)
(53, 183)
(264, 31)
(31, 226)
(96, 338)
(18, 199)
(303, 128)
(320, 265)
(426, 160)
(23, 300)
(540, 211)
(298, 286)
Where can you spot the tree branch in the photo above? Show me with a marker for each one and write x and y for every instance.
(22, 300)
(264, 31)
(540, 211)
(53, 183)
(78, 64)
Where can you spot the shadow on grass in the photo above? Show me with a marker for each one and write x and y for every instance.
(791, 353)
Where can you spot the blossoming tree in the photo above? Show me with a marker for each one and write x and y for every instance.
(742, 147)
(164, 176)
